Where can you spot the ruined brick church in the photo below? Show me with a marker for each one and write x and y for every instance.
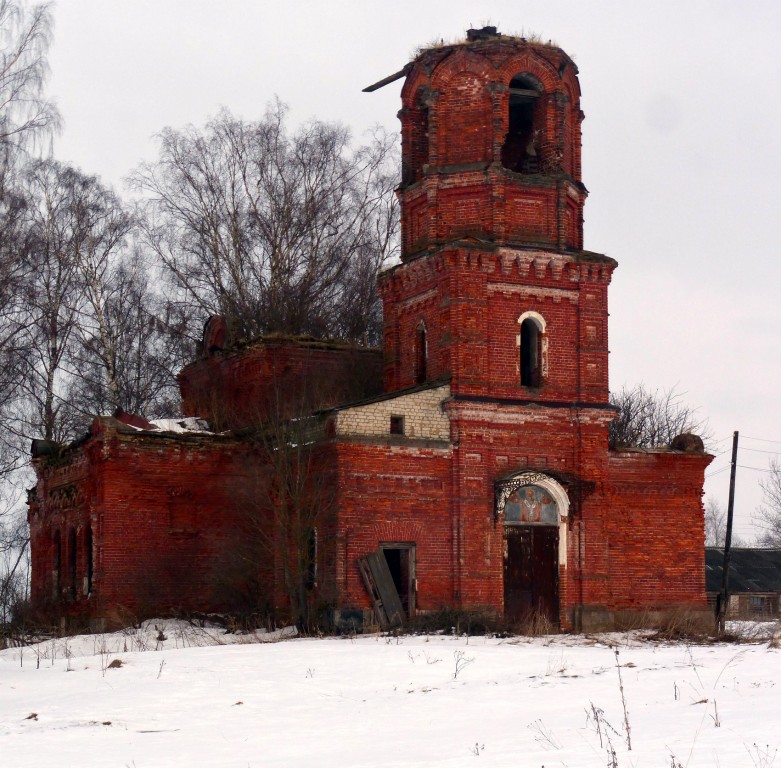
(466, 465)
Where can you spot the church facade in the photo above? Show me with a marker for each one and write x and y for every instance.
(466, 466)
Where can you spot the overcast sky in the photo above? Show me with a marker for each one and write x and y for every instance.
(681, 151)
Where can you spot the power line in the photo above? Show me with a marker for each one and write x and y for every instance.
(762, 439)
(723, 439)
(720, 453)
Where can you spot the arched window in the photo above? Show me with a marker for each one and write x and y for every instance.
(88, 557)
(533, 349)
(421, 354)
(521, 145)
(57, 564)
(530, 353)
(72, 560)
(310, 578)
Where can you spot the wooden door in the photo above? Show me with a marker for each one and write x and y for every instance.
(531, 572)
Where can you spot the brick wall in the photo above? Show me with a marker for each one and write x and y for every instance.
(160, 510)
(633, 536)
(469, 302)
(422, 414)
(655, 531)
(395, 494)
(455, 119)
(277, 377)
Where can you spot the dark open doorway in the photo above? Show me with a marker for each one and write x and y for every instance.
(401, 564)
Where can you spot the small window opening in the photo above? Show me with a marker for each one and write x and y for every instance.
(88, 557)
(397, 425)
(520, 151)
(72, 557)
(57, 564)
(311, 559)
(530, 353)
(421, 354)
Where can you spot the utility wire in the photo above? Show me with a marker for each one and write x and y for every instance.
(721, 453)
(763, 440)
(716, 443)
(717, 472)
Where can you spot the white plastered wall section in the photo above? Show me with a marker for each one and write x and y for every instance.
(424, 417)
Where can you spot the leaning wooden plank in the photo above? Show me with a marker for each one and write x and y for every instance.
(371, 588)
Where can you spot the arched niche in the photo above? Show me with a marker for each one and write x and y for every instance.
(547, 495)
(416, 147)
(215, 335)
(421, 354)
(464, 111)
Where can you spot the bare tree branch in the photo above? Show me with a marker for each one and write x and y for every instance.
(272, 230)
(652, 418)
(768, 514)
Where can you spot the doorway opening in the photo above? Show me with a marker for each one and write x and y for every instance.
(531, 573)
(400, 558)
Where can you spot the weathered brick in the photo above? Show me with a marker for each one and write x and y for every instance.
(488, 241)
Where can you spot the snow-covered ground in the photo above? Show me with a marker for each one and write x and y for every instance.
(172, 695)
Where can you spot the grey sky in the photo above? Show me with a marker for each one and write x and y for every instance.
(681, 150)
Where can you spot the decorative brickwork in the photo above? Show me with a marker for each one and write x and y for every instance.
(482, 472)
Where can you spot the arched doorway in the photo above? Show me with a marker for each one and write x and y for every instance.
(533, 509)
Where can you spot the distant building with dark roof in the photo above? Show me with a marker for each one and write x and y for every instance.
(754, 581)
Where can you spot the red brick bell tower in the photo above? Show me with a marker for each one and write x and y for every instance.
(496, 297)
(495, 292)
(496, 301)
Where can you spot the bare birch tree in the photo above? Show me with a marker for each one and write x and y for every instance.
(768, 514)
(263, 226)
(51, 296)
(25, 36)
(652, 418)
(131, 344)
(99, 336)
(715, 523)
(27, 118)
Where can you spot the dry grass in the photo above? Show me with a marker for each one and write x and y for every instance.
(523, 36)
(448, 621)
(536, 624)
(684, 624)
